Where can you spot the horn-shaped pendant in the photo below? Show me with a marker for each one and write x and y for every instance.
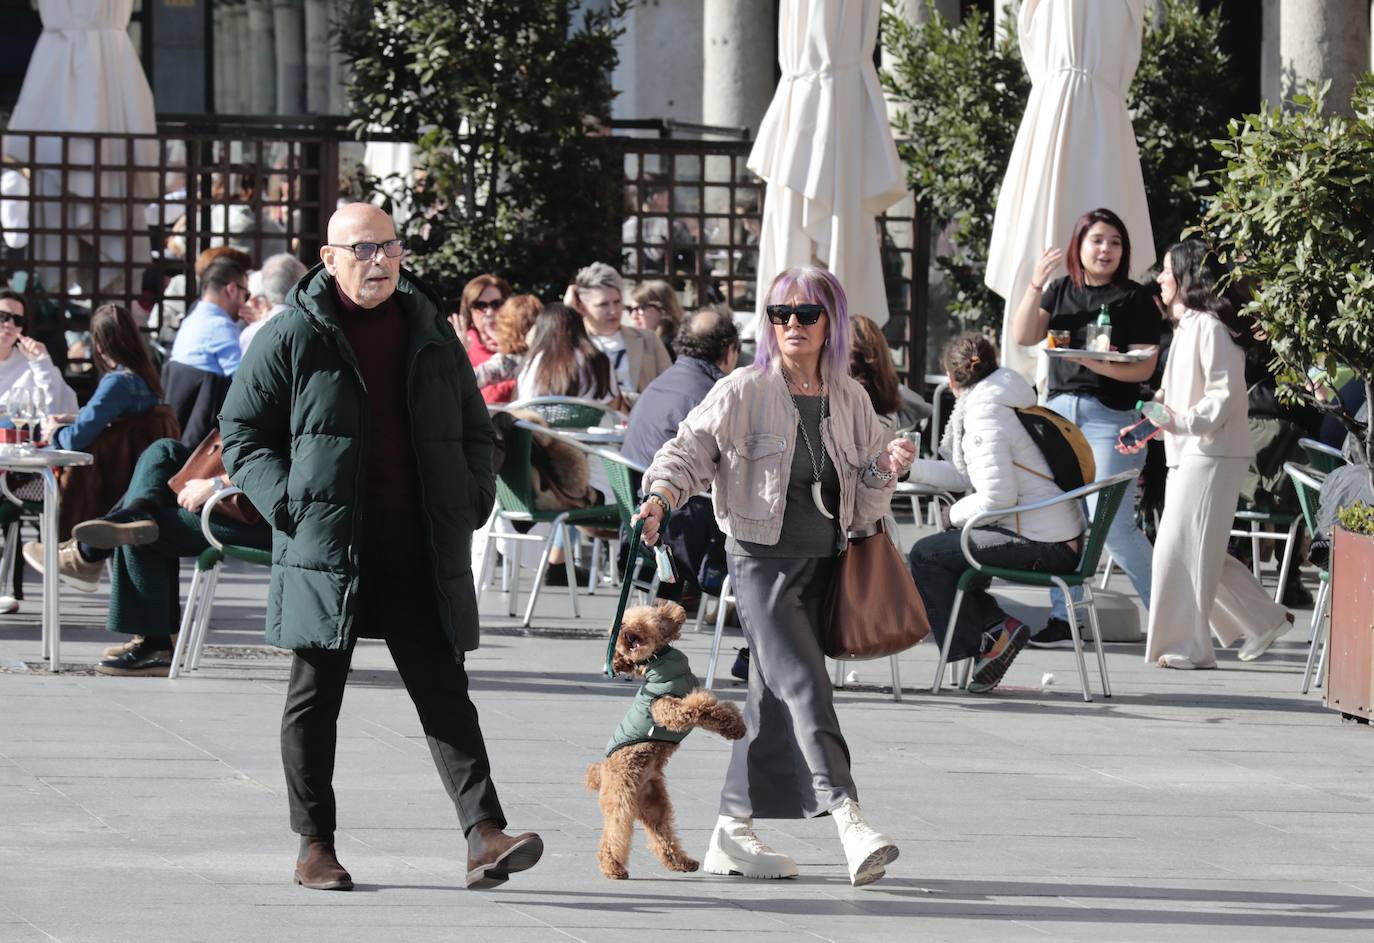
(820, 503)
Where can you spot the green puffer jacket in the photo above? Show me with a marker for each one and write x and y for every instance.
(667, 673)
(296, 440)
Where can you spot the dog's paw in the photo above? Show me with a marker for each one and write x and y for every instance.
(733, 729)
(615, 872)
(685, 865)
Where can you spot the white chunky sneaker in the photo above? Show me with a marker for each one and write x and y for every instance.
(735, 849)
(867, 852)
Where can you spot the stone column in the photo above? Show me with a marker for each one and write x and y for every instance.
(739, 39)
(288, 26)
(261, 61)
(340, 11)
(317, 56)
(233, 48)
(1315, 40)
(217, 47)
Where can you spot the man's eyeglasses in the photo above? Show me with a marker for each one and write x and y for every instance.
(8, 317)
(806, 314)
(364, 251)
(487, 305)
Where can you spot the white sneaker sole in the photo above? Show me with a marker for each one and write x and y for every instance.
(874, 866)
(718, 862)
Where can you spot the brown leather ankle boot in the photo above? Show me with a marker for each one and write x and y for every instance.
(318, 868)
(493, 856)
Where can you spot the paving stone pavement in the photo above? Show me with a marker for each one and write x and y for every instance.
(1217, 805)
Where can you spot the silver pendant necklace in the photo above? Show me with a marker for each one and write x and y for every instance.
(817, 464)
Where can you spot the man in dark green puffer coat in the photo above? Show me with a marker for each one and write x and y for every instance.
(355, 426)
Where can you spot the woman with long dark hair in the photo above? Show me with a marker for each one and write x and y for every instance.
(1098, 395)
(870, 362)
(129, 385)
(1200, 589)
(563, 361)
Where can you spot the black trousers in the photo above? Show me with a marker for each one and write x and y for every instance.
(396, 602)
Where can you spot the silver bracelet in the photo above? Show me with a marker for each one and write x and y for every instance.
(878, 474)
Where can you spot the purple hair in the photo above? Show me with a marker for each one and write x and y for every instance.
(808, 285)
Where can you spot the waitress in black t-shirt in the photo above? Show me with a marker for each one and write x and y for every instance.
(1097, 395)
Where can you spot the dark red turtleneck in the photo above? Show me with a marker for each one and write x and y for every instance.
(378, 337)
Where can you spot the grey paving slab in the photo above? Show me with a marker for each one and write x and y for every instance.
(1219, 805)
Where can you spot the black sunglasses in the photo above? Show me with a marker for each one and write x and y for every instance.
(806, 314)
(364, 251)
(8, 317)
(486, 305)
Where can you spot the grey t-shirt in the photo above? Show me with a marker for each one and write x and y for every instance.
(806, 533)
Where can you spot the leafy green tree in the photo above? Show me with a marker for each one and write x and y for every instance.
(1294, 213)
(961, 98)
(499, 97)
(962, 94)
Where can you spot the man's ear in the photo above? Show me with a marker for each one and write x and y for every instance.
(327, 257)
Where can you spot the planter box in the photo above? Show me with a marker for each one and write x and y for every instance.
(1350, 660)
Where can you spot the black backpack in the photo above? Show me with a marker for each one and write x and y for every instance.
(1063, 444)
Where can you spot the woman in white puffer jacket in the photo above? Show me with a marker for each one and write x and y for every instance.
(991, 456)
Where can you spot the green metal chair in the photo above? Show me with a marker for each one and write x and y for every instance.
(979, 576)
(624, 477)
(515, 504)
(200, 599)
(570, 412)
(1283, 527)
(1322, 457)
(1308, 484)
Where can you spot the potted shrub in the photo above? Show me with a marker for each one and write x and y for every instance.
(1294, 213)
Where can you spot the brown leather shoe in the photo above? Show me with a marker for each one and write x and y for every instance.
(318, 868)
(493, 856)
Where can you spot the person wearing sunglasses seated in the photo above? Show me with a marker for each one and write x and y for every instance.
(208, 338)
(475, 323)
(25, 370)
(24, 362)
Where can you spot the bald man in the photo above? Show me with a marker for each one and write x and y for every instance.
(355, 425)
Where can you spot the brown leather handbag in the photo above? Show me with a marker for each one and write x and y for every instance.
(873, 609)
(207, 461)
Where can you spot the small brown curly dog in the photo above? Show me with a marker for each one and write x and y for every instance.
(668, 705)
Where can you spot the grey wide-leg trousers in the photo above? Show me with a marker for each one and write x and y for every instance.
(793, 762)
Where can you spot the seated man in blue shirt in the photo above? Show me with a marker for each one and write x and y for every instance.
(208, 338)
(707, 348)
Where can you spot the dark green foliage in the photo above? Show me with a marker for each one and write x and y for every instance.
(498, 96)
(1177, 103)
(963, 94)
(1294, 211)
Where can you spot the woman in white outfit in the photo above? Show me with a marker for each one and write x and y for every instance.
(1198, 589)
(24, 362)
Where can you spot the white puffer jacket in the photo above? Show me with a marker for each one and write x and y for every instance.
(992, 456)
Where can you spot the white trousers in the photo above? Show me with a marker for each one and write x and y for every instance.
(1197, 588)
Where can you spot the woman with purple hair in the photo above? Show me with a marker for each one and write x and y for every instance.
(796, 458)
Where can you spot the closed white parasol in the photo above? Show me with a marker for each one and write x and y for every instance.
(85, 77)
(825, 149)
(1075, 150)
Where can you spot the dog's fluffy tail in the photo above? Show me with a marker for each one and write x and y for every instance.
(594, 778)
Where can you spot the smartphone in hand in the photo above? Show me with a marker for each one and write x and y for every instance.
(1133, 438)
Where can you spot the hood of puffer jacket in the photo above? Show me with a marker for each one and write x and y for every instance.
(1002, 387)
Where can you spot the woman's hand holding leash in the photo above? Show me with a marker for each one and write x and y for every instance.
(897, 457)
(652, 513)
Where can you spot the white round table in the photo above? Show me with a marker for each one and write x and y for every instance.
(44, 462)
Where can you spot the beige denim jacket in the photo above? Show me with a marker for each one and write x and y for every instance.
(739, 442)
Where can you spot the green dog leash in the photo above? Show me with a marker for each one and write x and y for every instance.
(625, 585)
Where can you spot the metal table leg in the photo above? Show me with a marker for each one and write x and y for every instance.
(52, 621)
